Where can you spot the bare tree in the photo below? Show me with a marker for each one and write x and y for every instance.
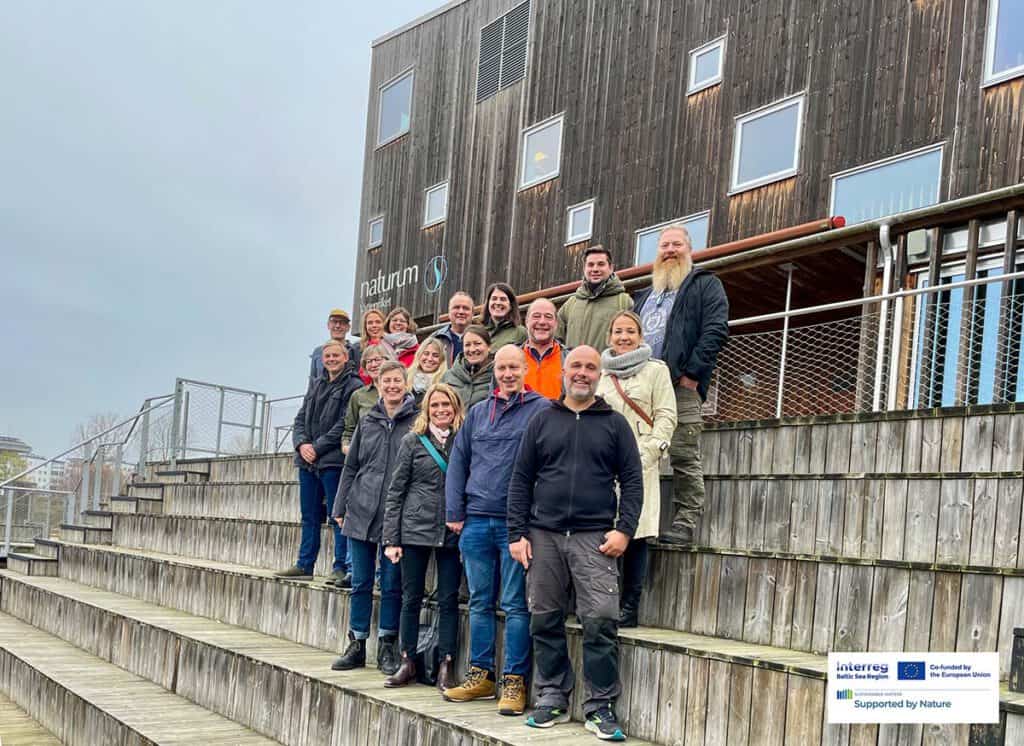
(96, 424)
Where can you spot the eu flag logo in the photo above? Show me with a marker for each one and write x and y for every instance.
(910, 671)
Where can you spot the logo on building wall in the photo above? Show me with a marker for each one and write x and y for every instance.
(434, 273)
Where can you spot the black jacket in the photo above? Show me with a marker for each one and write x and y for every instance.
(372, 455)
(414, 506)
(321, 418)
(698, 327)
(566, 470)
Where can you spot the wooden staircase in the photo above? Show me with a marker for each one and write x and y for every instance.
(831, 534)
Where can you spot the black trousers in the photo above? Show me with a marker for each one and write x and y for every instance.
(414, 575)
(634, 571)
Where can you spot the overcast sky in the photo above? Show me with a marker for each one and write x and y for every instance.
(179, 195)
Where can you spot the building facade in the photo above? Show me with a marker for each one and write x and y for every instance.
(504, 137)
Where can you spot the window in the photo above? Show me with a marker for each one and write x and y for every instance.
(888, 186)
(435, 208)
(767, 144)
(938, 335)
(579, 222)
(706, 65)
(395, 113)
(542, 152)
(503, 48)
(647, 238)
(376, 233)
(1004, 44)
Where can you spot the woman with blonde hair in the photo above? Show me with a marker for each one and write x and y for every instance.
(639, 387)
(427, 368)
(414, 527)
(400, 335)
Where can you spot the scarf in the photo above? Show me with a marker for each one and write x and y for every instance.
(439, 434)
(628, 364)
(421, 381)
(399, 342)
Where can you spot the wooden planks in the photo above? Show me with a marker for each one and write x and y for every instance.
(17, 728)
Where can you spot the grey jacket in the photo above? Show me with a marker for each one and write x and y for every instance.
(414, 507)
(371, 459)
(321, 418)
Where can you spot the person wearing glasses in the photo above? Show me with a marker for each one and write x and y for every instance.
(685, 317)
(338, 326)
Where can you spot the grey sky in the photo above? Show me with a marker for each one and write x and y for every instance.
(179, 195)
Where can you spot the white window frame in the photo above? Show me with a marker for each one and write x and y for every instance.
(988, 77)
(569, 237)
(427, 222)
(941, 147)
(410, 73)
(694, 87)
(800, 99)
(369, 232)
(558, 119)
(661, 226)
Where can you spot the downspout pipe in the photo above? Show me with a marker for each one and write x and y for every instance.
(885, 245)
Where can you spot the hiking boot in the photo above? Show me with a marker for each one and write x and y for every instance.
(629, 616)
(406, 673)
(513, 695)
(479, 684)
(446, 674)
(603, 724)
(545, 717)
(336, 577)
(678, 534)
(353, 657)
(295, 573)
(387, 654)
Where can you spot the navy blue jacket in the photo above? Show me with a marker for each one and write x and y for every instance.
(698, 327)
(321, 418)
(484, 454)
(567, 469)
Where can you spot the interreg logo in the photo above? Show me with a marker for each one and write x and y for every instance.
(434, 273)
(910, 671)
(844, 694)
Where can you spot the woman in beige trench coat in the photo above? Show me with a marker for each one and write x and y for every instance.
(640, 389)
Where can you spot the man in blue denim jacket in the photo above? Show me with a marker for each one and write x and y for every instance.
(476, 492)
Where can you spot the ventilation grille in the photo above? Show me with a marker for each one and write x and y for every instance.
(503, 47)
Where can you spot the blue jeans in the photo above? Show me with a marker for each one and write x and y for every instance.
(364, 565)
(316, 491)
(484, 546)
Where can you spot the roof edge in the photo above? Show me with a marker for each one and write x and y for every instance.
(417, 22)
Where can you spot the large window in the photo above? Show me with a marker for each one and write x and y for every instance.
(888, 186)
(969, 352)
(375, 233)
(647, 238)
(542, 152)
(706, 65)
(579, 222)
(395, 113)
(1004, 42)
(435, 208)
(766, 145)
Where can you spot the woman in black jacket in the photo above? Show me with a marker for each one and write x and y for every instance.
(359, 510)
(316, 436)
(414, 526)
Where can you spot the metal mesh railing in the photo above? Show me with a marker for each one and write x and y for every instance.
(214, 420)
(278, 418)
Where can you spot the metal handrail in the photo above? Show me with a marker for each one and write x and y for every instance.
(89, 441)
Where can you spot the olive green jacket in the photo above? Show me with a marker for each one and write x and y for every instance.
(584, 318)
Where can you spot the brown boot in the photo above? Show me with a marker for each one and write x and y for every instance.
(406, 673)
(479, 684)
(513, 695)
(446, 674)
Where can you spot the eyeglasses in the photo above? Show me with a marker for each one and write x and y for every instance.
(337, 322)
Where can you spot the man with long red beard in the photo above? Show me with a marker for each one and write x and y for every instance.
(685, 315)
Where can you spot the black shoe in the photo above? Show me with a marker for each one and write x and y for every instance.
(387, 655)
(353, 657)
(545, 717)
(628, 616)
(678, 535)
(603, 724)
(344, 582)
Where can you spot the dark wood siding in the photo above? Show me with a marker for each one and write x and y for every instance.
(882, 77)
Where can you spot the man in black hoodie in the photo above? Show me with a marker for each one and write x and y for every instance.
(567, 526)
(685, 316)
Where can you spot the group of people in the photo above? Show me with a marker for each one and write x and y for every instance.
(526, 453)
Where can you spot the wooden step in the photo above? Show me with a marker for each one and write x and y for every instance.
(97, 518)
(47, 548)
(17, 728)
(660, 669)
(85, 700)
(136, 504)
(267, 501)
(82, 534)
(27, 563)
(261, 467)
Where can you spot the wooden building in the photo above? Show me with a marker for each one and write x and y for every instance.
(503, 137)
